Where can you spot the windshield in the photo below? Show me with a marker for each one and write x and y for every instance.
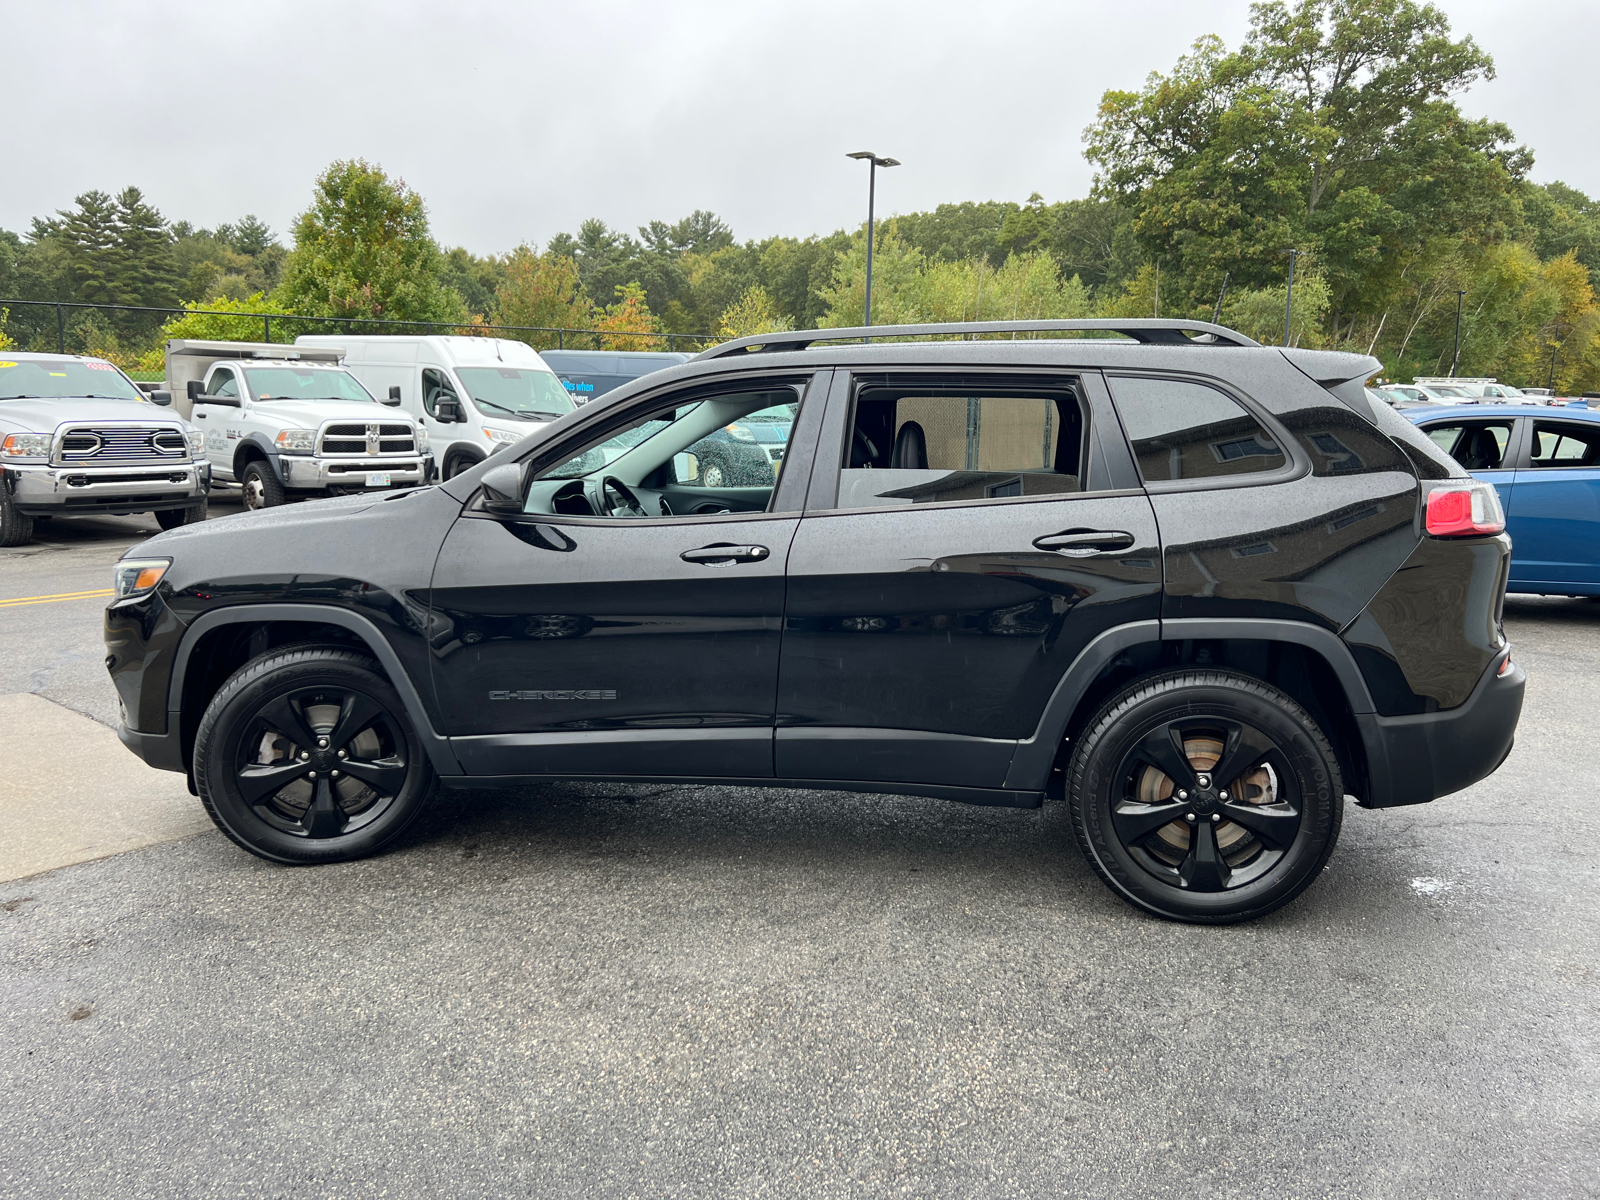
(62, 379)
(304, 383)
(525, 392)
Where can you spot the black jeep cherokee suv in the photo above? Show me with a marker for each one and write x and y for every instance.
(1199, 588)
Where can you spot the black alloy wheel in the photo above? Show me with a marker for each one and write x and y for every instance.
(1205, 796)
(306, 755)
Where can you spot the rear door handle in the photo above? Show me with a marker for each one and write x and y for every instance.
(1083, 543)
(722, 554)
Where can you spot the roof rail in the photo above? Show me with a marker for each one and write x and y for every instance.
(1144, 330)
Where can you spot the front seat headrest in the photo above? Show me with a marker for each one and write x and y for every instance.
(910, 448)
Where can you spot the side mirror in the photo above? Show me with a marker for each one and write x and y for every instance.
(394, 397)
(164, 399)
(502, 489)
(447, 410)
(196, 389)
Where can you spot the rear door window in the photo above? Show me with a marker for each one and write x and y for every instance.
(1182, 430)
(1559, 444)
(1476, 445)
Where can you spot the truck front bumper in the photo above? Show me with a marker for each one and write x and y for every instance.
(44, 491)
(316, 474)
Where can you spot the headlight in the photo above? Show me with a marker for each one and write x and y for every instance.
(741, 433)
(25, 445)
(296, 441)
(134, 575)
(422, 440)
(501, 437)
(197, 441)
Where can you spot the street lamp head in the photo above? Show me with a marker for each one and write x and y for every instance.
(875, 160)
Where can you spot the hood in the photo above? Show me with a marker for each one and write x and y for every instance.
(43, 416)
(311, 413)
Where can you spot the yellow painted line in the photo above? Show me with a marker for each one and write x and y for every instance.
(57, 599)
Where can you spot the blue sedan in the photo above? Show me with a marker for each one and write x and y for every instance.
(1545, 463)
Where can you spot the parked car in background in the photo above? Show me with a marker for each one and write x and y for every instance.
(1428, 393)
(1480, 389)
(471, 395)
(587, 374)
(282, 425)
(78, 437)
(1546, 468)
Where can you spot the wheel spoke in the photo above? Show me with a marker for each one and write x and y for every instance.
(1203, 869)
(1274, 824)
(257, 782)
(324, 818)
(356, 712)
(284, 715)
(384, 775)
(1135, 821)
(1244, 748)
(1163, 748)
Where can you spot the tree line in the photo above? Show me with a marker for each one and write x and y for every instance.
(1331, 132)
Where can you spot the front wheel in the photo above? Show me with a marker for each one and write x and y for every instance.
(1205, 796)
(261, 486)
(306, 755)
(16, 529)
(172, 518)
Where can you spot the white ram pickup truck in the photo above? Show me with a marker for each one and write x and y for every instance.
(284, 423)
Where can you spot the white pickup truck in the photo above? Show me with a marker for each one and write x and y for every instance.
(282, 422)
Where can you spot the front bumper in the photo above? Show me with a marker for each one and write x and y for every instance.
(40, 490)
(1414, 759)
(317, 473)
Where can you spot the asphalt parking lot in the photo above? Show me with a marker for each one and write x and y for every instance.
(604, 991)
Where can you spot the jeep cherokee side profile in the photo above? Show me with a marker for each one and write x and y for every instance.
(1200, 589)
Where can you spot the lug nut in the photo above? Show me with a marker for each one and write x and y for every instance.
(1188, 816)
(341, 754)
(1222, 795)
(333, 774)
(323, 743)
(311, 774)
(1215, 818)
(304, 757)
(1183, 795)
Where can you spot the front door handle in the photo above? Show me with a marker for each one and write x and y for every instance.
(1083, 543)
(722, 554)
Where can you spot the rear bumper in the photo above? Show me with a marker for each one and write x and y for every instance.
(1414, 759)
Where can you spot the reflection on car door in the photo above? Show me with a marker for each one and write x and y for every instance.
(1484, 447)
(930, 615)
(1554, 520)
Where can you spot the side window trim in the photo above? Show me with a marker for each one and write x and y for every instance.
(1298, 463)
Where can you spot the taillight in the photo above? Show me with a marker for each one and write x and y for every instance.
(1465, 508)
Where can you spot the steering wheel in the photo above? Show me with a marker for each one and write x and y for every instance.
(630, 506)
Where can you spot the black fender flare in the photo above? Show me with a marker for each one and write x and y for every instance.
(1035, 756)
(467, 451)
(439, 751)
(256, 441)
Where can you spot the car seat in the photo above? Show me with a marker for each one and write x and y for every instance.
(910, 448)
(1479, 450)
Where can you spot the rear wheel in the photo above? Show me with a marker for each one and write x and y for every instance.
(15, 528)
(261, 486)
(306, 756)
(1205, 796)
(171, 518)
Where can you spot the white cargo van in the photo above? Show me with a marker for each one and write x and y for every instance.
(472, 394)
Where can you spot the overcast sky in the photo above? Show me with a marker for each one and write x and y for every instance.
(517, 120)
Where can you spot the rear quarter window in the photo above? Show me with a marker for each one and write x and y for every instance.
(1183, 430)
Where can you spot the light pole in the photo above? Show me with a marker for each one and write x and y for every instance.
(872, 186)
(1455, 359)
(1288, 296)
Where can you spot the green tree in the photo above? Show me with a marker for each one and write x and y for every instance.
(363, 250)
(754, 312)
(543, 291)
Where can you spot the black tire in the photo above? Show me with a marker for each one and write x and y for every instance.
(1238, 857)
(261, 486)
(716, 473)
(172, 518)
(16, 529)
(456, 464)
(305, 804)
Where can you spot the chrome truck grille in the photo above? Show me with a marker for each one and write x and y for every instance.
(374, 437)
(105, 444)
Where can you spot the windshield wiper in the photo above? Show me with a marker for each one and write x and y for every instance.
(544, 416)
(515, 412)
